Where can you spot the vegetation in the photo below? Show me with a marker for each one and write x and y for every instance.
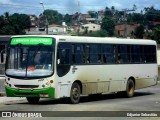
(108, 25)
(156, 34)
(53, 16)
(17, 23)
(13, 24)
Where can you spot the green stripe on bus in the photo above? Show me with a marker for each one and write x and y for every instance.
(31, 41)
(12, 92)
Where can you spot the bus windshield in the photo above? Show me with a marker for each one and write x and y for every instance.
(30, 60)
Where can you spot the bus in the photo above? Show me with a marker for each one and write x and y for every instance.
(54, 66)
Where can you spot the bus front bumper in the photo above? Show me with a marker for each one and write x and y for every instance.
(44, 93)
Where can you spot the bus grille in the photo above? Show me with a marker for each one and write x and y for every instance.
(26, 94)
(26, 86)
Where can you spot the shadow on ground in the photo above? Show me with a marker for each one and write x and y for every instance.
(91, 98)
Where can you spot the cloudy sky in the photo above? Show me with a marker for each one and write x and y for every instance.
(71, 6)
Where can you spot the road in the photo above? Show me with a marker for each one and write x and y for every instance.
(147, 99)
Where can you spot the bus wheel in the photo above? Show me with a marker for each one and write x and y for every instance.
(130, 88)
(33, 100)
(75, 93)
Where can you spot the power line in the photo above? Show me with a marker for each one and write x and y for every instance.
(56, 8)
(34, 7)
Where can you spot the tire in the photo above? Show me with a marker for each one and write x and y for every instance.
(33, 100)
(130, 88)
(75, 93)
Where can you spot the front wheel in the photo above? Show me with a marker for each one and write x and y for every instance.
(130, 88)
(33, 100)
(75, 93)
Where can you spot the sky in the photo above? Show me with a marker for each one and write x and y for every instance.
(72, 6)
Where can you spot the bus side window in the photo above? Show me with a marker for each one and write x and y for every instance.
(150, 54)
(93, 54)
(109, 54)
(77, 55)
(86, 53)
(122, 54)
(63, 59)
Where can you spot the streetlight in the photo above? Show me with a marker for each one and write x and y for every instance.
(46, 23)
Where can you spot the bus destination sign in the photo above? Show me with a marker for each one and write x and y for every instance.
(31, 41)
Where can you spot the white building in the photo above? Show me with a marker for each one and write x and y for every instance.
(56, 29)
(90, 27)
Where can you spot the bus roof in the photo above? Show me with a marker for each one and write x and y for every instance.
(82, 39)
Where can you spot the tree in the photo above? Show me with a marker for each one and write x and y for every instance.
(108, 25)
(53, 16)
(108, 12)
(14, 24)
(139, 32)
(135, 18)
(151, 14)
(22, 20)
(93, 14)
(100, 33)
(68, 19)
(156, 34)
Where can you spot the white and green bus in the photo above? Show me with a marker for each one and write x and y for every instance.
(52, 66)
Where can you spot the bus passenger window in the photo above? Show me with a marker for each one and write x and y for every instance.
(86, 54)
(63, 56)
(109, 52)
(95, 54)
(63, 59)
(77, 54)
(123, 54)
(150, 54)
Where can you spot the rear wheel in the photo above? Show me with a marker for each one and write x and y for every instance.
(33, 100)
(130, 88)
(75, 93)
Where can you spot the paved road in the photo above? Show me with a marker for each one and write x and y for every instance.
(147, 99)
(2, 90)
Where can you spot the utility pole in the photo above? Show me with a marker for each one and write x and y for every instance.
(125, 18)
(78, 21)
(46, 20)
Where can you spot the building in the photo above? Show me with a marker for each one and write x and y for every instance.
(90, 27)
(56, 29)
(33, 20)
(151, 25)
(125, 29)
(92, 20)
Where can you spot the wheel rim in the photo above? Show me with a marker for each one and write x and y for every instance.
(75, 93)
